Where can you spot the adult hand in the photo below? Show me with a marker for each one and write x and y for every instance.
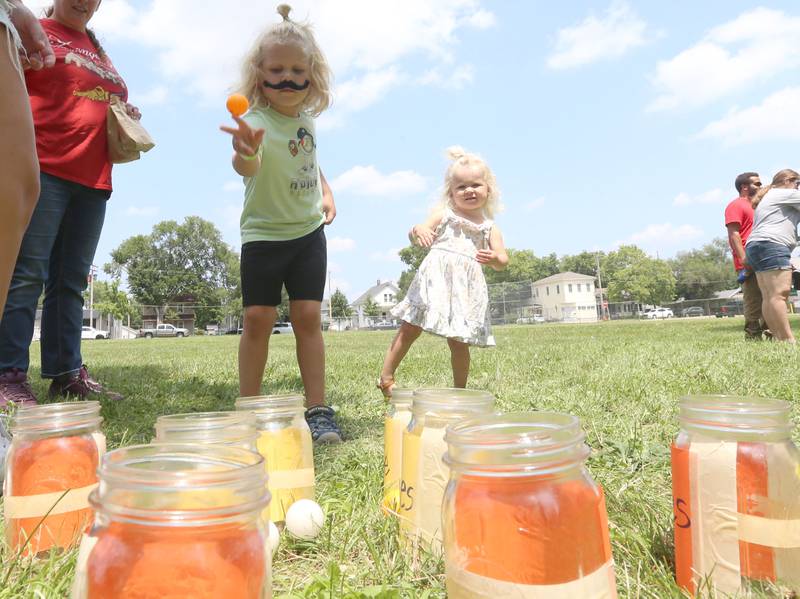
(133, 112)
(425, 236)
(34, 39)
(486, 256)
(246, 140)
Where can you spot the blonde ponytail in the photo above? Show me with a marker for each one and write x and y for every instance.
(780, 178)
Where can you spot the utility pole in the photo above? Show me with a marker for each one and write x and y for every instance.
(603, 305)
(92, 273)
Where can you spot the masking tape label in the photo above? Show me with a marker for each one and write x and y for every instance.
(36, 506)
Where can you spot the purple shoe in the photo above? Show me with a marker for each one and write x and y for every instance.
(15, 389)
(81, 385)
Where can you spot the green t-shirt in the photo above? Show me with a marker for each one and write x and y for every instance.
(284, 200)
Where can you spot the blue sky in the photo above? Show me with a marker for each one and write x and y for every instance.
(606, 122)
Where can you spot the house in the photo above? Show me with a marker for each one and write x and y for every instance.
(384, 294)
(567, 297)
(178, 312)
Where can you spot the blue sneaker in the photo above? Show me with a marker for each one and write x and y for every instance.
(322, 422)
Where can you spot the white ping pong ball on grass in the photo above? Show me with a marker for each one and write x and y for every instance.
(274, 537)
(304, 519)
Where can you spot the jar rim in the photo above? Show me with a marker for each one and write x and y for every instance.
(160, 468)
(733, 413)
(56, 417)
(402, 396)
(523, 442)
(259, 403)
(206, 420)
(451, 398)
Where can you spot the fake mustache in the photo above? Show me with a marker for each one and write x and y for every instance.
(288, 85)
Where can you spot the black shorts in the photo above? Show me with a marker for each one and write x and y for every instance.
(299, 264)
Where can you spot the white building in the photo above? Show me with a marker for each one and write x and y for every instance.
(567, 297)
(384, 294)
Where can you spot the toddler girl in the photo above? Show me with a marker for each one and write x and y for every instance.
(448, 295)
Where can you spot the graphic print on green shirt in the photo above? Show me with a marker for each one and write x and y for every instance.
(284, 199)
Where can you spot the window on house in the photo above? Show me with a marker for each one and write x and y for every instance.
(569, 287)
(558, 289)
(547, 289)
(579, 287)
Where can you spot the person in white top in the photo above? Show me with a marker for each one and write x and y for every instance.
(769, 247)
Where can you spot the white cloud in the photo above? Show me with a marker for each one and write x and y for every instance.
(366, 42)
(534, 204)
(666, 235)
(142, 210)
(341, 244)
(153, 97)
(368, 181)
(755, 47)
(392, 256)
(233, 185)
(458, 78)
(714, 196)
(596, 39)
(776, 118)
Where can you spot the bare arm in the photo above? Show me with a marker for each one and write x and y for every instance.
(34, 40)
(496, 256)
(328, 205)
(424, 233)
(735, 241)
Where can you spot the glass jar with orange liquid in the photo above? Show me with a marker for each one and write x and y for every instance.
(284, 440)
(424, 475)
(522, 516)
(233, 429)
(398, 415)
(50, 469)
(736, 496)
(176, 520)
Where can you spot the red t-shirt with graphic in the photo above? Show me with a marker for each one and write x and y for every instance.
(69, 104)
(740, 211)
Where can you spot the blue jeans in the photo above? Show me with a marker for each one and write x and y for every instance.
(767, 255)
(56, 253)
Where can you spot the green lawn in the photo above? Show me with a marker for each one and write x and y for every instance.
(623, 380)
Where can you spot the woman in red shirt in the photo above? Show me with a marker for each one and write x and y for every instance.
(69, 104)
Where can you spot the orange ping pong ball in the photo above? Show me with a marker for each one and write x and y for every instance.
(237, 104)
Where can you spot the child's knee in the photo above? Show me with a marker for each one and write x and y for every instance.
(259, 319)
(457, 346)
(409, 331)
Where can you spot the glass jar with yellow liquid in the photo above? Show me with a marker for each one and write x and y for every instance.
(284, 440)
(233, 429)
(424, 474)
(398, 415)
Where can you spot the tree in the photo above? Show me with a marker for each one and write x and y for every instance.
(584, 263)
(340, 307)
(176, 261)
(371, 308)
(638, 277)
(523, 265)
(110, 299)
(700, 273)
(412, 256)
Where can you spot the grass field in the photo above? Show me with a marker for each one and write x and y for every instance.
(623, 380)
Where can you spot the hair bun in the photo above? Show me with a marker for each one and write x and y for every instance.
(284, 10)
(455, 152)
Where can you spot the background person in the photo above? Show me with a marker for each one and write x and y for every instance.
(69, 104)
(20, 31)
(769, 247)
(739, 222)
(287, 205)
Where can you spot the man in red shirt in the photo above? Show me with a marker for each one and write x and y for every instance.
(739, 222)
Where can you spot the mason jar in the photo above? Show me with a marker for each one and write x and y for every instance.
(398, 415)
(176, 520)
(284, 440)
(423, 473)
(50, 469)
(736, 496)
(233, 429)
(522, 516)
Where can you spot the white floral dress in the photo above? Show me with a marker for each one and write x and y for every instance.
(448, 295)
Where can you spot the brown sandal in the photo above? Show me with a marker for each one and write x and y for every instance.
(386, 387)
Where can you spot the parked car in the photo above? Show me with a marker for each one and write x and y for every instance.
(93, 333)
(283, 328)
(731, 309)
(657, 313)
(384, 325)
(536, 318)
(164, 330)
(692, 311)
